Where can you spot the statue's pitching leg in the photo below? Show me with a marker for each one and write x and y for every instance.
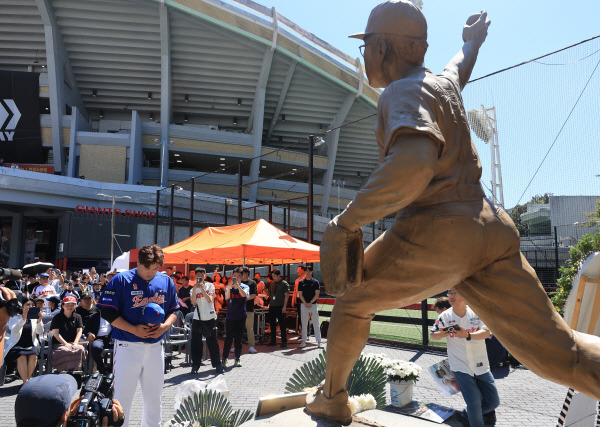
(510, 300)
(347, 336)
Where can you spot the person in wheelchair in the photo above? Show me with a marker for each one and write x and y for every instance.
(23, 346)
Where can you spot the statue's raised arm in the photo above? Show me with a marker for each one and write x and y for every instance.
(474, 34)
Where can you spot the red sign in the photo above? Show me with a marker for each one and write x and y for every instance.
(108, 211)
(34, 168)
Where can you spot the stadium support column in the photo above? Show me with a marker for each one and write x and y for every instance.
(332, 140)
(136, 154)
(59, 72)
(165, 93)
(56, 78)
(78, 123)
(256, 121)
(281, 100)
(75, 119)
(16, 240)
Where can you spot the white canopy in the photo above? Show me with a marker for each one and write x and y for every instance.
(121, 263)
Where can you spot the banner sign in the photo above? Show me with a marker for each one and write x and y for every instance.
(108, 211)
(20, 133)
(33, 168)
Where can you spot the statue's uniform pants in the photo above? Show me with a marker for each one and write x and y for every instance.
(474, 248)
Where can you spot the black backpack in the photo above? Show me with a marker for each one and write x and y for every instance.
(497, 354)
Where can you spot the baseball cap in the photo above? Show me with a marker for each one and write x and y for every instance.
(44, 275)
(86, 295)
(396, 17)
(68, 299)
(42, 400)
(54, 299)
(152, 314)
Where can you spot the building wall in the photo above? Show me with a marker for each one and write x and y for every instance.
(565, 211)
(103, 163)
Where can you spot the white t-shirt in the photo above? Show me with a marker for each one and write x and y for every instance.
(44, 291)
(207, 310)
(469, 357)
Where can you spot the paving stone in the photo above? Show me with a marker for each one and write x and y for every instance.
(526, 399)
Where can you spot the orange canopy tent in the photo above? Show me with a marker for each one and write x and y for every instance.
(256, 242)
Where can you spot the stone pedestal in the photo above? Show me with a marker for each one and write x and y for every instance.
(372, 418)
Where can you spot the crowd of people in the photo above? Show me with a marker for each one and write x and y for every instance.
(87, 312)
(63, 307)
(93, 308)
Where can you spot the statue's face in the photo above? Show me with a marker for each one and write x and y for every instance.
(374, 61)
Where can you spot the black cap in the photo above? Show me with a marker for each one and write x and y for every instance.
(86, 295)
(44, 399)
(54, 299)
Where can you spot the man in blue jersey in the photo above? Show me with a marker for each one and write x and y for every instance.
(138, 351)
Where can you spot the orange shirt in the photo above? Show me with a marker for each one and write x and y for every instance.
(295, 293)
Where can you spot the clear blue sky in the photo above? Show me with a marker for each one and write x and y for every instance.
(532, 103)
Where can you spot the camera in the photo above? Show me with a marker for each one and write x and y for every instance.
(10, 274)
(97, 403)
(13, 305)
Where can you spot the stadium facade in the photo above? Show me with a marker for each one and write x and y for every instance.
(122, 98)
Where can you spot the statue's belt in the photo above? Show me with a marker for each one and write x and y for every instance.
(458, 193)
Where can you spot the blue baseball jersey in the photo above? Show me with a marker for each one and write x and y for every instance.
(128, 294)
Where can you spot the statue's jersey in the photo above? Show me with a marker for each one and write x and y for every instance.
(431, 104)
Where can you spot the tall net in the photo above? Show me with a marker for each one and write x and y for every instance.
(547, 119)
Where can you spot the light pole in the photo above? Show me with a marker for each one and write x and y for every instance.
(313, 142)
(112, 223)
(339, 183)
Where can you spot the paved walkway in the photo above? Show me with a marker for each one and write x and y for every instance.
(526, 399)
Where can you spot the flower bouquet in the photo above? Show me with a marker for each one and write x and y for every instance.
(397, 370)
(401, 375)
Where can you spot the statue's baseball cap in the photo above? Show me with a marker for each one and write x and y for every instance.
(396, 17)
(153, 314)
(43, 400)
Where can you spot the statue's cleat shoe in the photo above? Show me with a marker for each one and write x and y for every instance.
(335, 408)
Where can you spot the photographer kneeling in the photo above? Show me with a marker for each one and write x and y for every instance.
(45, 401)
(22, 346)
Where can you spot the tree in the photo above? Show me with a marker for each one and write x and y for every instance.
(593, 217)
(518, 210)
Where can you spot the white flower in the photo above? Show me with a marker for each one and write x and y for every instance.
(354, 405)
(370, 402)
(361, 403)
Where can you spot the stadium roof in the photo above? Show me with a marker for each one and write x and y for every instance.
(219, 59)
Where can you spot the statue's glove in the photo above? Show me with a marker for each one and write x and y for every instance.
(342, 255)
